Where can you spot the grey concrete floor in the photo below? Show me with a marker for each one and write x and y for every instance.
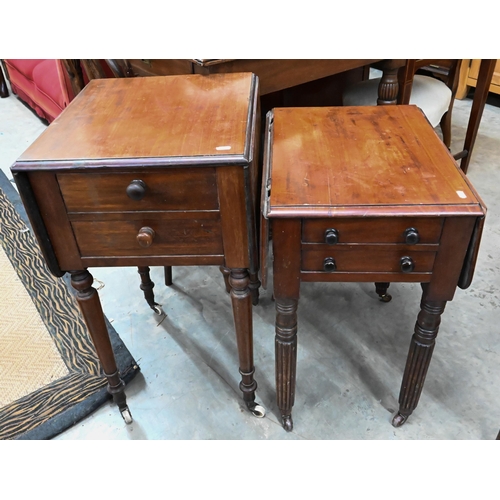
(351, 353)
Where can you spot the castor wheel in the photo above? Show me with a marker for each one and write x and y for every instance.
(157, 309)
(381, 290)
(256, 410)
(399, 419)
(126, 415)
(287, 422)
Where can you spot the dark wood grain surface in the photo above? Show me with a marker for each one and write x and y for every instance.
(144, 118)
(320, 159)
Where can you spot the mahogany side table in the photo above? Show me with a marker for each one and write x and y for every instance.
(364, 194)
(155, 171)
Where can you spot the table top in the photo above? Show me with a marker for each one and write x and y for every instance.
(155, 117)
(274, 74)
(359, 161)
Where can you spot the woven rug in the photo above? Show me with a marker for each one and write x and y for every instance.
(50, 376)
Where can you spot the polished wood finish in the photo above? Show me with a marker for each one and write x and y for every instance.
(149, 122)
(314, 181)
(90, 305)
(151, 171)
(364, 194)
(277, 75)
(172, 190)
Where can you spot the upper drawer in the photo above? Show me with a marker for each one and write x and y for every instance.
(175, 189)
(372, 229)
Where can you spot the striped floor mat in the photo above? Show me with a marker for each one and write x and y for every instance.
(50, 376)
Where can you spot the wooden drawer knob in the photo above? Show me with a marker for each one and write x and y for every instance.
(331, 236)
(145, 236)
(407, 264)
(411, 236)
(329, 264)
(136, 190)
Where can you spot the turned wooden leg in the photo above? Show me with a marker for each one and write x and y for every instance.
(388, 87)
(254, 286)
(147, 287)
(90, 305)
(225, 273)
(419, 357)
(286, 358)
(242, 311)
(168, 275)
(381, 289)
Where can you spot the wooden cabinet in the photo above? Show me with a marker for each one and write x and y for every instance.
(469, 75)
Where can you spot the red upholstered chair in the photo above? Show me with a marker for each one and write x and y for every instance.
(43, 84)
(49, 85)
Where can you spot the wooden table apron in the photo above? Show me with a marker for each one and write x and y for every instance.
(370, 238)
(99, 196)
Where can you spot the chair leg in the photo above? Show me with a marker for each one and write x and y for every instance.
(446, 128)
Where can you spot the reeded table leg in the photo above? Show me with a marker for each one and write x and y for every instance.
(419, 358)
(147, 287)
(286, 358)
(90, 305)
(242, 311)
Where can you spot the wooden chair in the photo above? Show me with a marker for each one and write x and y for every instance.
(432, 89)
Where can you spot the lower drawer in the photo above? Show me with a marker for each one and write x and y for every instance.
(171, 237)
(367, 259)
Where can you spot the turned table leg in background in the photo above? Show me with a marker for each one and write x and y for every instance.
(419, 357)
(388, 88)
(168, 275)
(381, 290)
(90, 305)
(147, 287)
(241, 299)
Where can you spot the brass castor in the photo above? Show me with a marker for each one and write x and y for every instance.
(287, 422)
(126, 415)
(256, 409)
(399, 419)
